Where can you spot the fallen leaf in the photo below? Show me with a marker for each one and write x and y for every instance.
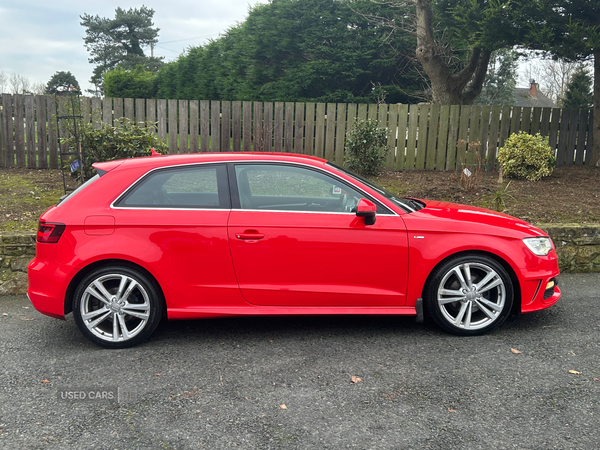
(282, 406)
(355, 379)
(595, 379)
(26, 318)
(574, 372)
(515, 351)
(451, 410)
(4, 314)
(45, 381)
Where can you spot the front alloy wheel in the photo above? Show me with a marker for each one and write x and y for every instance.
(469, 295)
(117, 307)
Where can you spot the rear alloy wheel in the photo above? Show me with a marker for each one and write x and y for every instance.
(117, 307)
(469, 295)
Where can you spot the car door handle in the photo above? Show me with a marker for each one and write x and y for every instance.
(250, 235)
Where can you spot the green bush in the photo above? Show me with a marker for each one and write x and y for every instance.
(366, 147)
(526, 157)
(126, 139)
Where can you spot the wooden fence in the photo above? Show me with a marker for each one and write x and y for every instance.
(421, 137)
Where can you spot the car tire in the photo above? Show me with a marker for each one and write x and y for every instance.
(469, 295)
(117, 306)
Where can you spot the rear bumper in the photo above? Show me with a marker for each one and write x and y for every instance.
(46, 289)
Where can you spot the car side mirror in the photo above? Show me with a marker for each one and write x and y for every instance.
(366, 209)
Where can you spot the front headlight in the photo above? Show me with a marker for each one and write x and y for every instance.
(540, 246)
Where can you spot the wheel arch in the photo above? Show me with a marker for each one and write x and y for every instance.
(516, 306)
(68, 301)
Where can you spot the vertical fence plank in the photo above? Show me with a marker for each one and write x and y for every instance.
(129, 110)
(278, 128)
(107, 111)
(150, 115)
(330, 132)
(258, 134)
(268, 126)
(442, 144)
(581, 136)
(95, 113)
(7, 130)
(52, 132)
(453, 127)
(434, 124)
(225, 126)
(362, 111)
(171, 126)
(401, 137)
(299, 128)
(41, 120)
(561, 150)
(504, 126)
(498, 114)
(162, 119)
(515, 123)
(463, 134)
(545, 125)
(86, 109)
(236, 131)
(320, 130)
(118, 112)
(140, 110)
(422, 136)
(194, 121)
(352, 111)
(183, 127)
(247, 126)
(474, 144)
(570, 153)
(590, 139)
(526, 120)
(554, 125)
(486, 111)
(411, 142)
(19, 130)
(392, 126)
(204, 125)
(215, 126)
(309, 130)
(288, 128)
(340, 133)
(373, 110)
(535, 120)
(30, 131)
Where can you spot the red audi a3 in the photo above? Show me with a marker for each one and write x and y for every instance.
(231, 234)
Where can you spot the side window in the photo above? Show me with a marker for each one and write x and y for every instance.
(180, 187)
(290, 188)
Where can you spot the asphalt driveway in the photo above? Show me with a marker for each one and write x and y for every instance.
(287, 382)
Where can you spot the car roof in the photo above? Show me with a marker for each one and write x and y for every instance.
(191, 158)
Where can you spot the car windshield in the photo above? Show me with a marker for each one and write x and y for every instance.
(409, 205)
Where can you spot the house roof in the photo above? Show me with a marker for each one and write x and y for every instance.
(523, 98)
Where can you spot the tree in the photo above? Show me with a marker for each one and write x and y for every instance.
(120, 42)
(568, 29)
(137, 83)
(290, 50)
(3, 82)
(61, 82)
(579, 90)
(454, 41)
(500, 81)
(18, 84)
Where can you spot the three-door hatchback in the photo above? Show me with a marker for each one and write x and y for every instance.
(231, 234)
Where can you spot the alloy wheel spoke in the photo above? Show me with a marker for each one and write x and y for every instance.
(466, 268)
(459, 317)
(100, 319)
(484, 288)
(489, 304)
(468, 314)
(132, 285)
(139, 315)
(457, 271)
(486, 311)
(95, 313)
(123, 326)
(115, 323)
(97, 290)
(446, 300)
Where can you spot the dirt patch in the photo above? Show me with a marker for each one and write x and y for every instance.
(570, 194)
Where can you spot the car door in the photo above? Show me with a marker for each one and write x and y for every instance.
(295, 240)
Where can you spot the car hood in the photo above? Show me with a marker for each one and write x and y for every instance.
(444, 216)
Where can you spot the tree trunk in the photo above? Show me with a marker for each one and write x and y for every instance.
(461, 88)
(595, 159)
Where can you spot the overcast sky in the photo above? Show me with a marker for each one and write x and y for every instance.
(40, 38)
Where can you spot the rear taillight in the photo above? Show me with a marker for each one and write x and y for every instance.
(50, 233)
